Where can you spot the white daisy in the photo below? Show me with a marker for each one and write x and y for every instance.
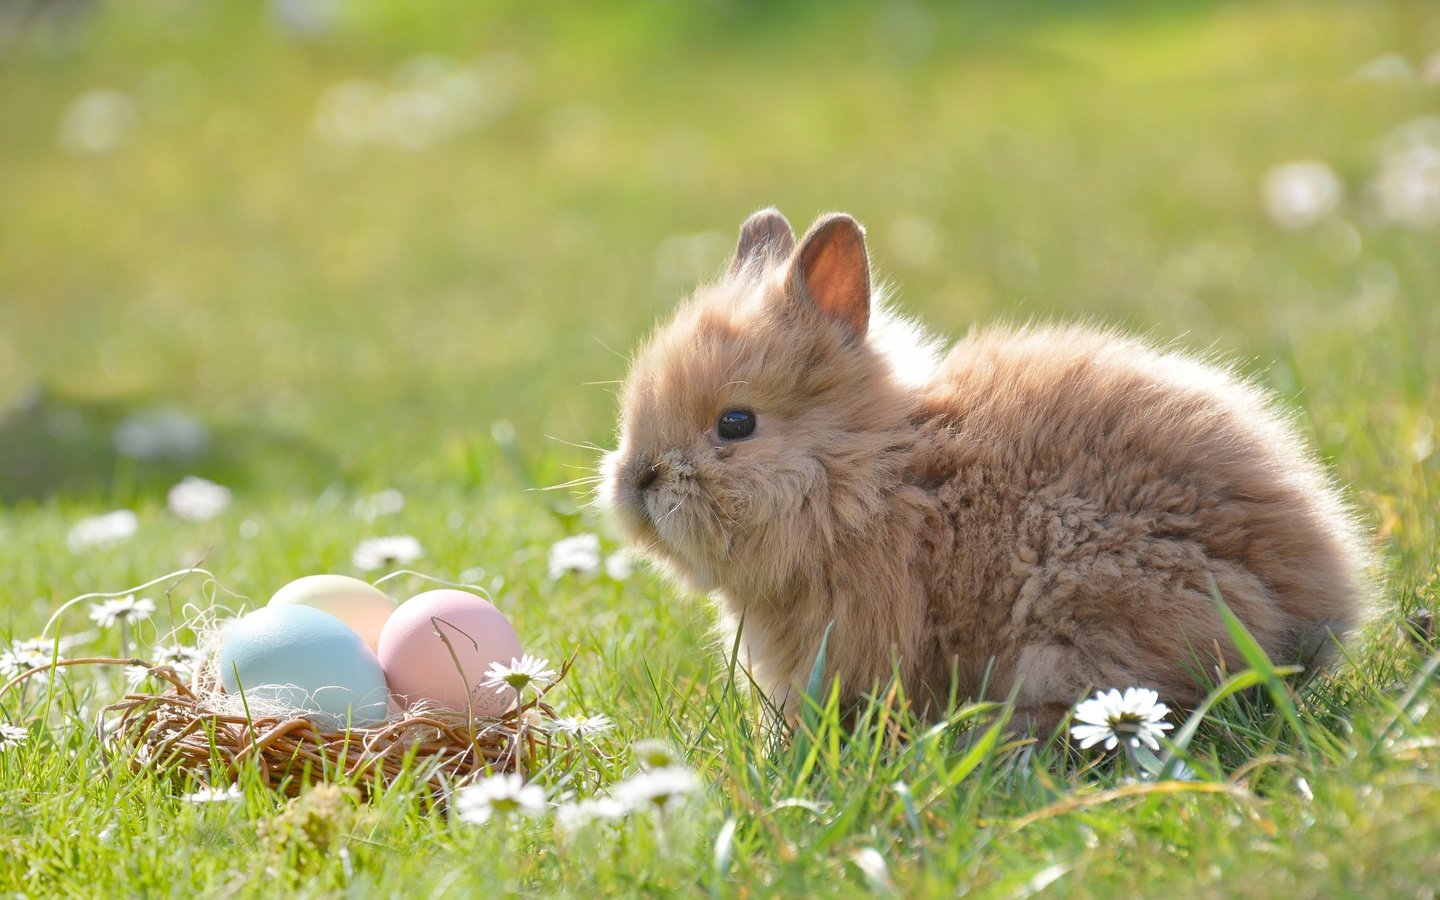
(181, 658)
(102, 531)
(24, 656)
(657, 789)
(653, 753)
(98, 122)
(32, 653)
(1408, 184)
(386, 552)
(184, 660)
(42, 645)
(1301, 193)
(498, 795)
(12, 663)
(526, 672)
(1135, 717)
(571, 817)
(11, 736)
(872, 865)
(619, 565)
(580, 553)
(123, 611)
(197, 500)
(583, 727)
(384, 503)
(208, 794)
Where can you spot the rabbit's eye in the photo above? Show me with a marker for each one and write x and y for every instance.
(735, 424)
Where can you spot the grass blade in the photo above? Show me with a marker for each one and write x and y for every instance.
(811, 708)
(1271, 677)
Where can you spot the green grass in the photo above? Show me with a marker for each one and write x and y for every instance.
(447, 321)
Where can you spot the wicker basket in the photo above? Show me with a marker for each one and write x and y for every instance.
(176, 732)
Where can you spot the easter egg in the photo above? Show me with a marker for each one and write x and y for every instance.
(361, 606)
(303, 659)
(438, 646)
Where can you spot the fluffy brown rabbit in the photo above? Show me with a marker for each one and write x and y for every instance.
(1045, 507)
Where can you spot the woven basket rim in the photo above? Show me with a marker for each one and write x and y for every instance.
(174, 731)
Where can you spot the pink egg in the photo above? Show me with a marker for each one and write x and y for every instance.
(421, 665)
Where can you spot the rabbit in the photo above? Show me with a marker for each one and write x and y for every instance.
(1042, 512)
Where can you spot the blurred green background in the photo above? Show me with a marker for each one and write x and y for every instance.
(340, 242)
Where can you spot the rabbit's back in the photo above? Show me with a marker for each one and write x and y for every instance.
(1089, 489)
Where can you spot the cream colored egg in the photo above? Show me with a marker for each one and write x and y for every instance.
(363, 607)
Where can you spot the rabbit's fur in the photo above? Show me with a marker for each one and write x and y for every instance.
(1044, 511)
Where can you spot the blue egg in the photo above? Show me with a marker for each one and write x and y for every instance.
(306, 660)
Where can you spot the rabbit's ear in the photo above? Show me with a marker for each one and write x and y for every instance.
(832, 270)
(765, 236)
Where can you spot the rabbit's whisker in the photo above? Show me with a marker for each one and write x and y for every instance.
(671, 511)
(568, 484)
(579, 446)
(610, 348)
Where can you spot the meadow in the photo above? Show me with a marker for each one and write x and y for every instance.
(376, 268)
